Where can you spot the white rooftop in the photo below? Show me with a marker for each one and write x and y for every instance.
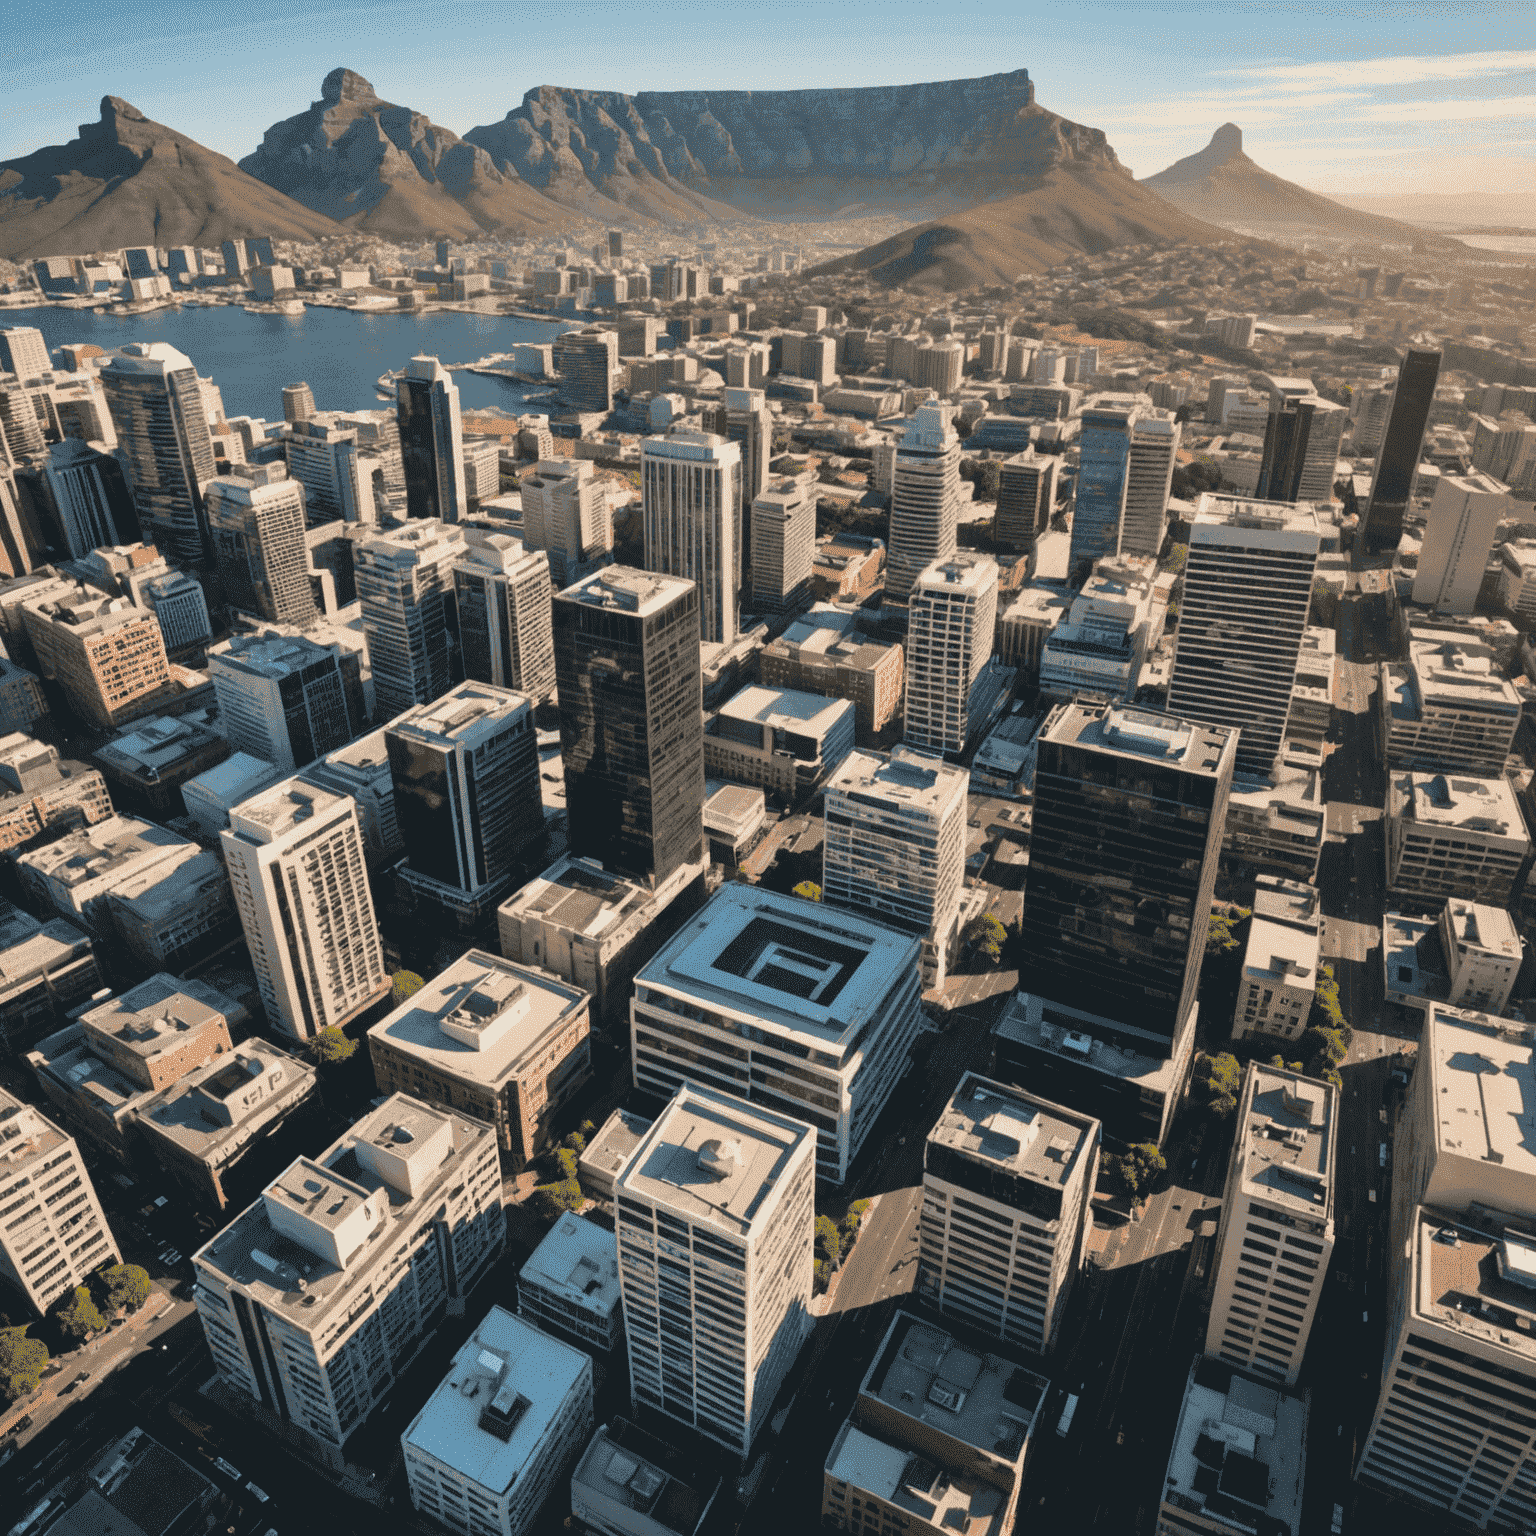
(578, 1261)
(907, 777)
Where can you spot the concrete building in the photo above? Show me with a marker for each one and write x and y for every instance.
(322, 456)
(1517, 581)
(76, 873)
(506, 616)
(56, 1232)
(344, 1265)
(506, 1043)
(1026, 625)
(743, 417)
(607, 1153)
(1312, 692)
(938, 1438)
(570, 1285)
(281, 698)
(109, 658)
(1247, 592)
(147, 764)
(585, 361)
(847, 565)
(567, 513)
(173, 913)
(1482, 952)
(1008, 1183)
(733, 1003)
(925, 498)
(783, 550)
(895, 847)
(46, 971)
(21, 697)
(1155, 439)
(1275, 826)
(1454, 837)
(211, 796)
(360, 770)
(431, 442)
(1277, 1233)
(1446, 710)
(723, 1190)
(1026, 498)
(91, 496)
(40, 795)
(630, 1483)
(827, 652)
(953, 688)
(1100, 646)
(295, 860)
(180, 608)
(1464, 517)
(256, 524)
(787, 742)
(1280, 962)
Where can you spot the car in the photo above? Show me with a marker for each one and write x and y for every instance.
(1381, 1156)
(24, 1422)
(259, 1494)
(227, 1469)
(83, 1376)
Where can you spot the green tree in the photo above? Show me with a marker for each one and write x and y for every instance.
(1220, 933)
(807, 890)
(78, 1316)
(403, 985)
(549, 1201)
(1216, 1082)
(828, 1243)
(331, 1045)
(576, 1142)
(1139, 1169)
(821, 1276)
(126, 1286)
(986, 936)
(22, 1362)
(565, 1161)
(848, 1227)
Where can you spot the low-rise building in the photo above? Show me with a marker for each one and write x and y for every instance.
(1482, 953)
(76, 874)
(211, 796)
(46, 971)
(847, 566)
(827, 652)
(1445, 710)
(1452, 836)
(570, 1285)
(603, 1158)
(147, 764)
(786, 741)
(630, 1483)
(1279, 976)
(1413, 961)
(139, 1488)
(1113, 624)
(1312, 692)
(734, 815)
(108, 656)
(1275, 826)
(39, 795)
(1517, 580)
(1025, 627)
(174, 912)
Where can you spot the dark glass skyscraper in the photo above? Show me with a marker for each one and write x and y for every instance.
(631, 719)
(1401, 448)
(431, 441)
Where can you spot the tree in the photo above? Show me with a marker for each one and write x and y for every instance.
(1219, 935)
(853, 1219)
(78, 1316)
(126, 1286)
(551, 1200)
(985, 935)
(331, 1045)
(807, 890)
(404, 984)
(565, 1161)
(985, 474)
(1141, 1167)
(1190, 479)
(828, 1243)
(22, 1362)
(1216, 1082)
(576, 1141)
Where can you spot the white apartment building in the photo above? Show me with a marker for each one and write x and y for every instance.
(1450, 836)
(570, 1285)
(785, 1002)
(951, 685)
(501, 1431)
(318, 1293)
(506, 614)
(783, 545)
(715, 1222)
(55, 1232)
(894, 846)
(1101, 644)
(1482, 952)
(567, 513)
(1155, 439)
(1008, 1182)
(295, 860)
(1446, 709)
(925, 497)
(1276, 1234)
(281, 697)
(1463, 518)
(1279, 975)
(322, 456)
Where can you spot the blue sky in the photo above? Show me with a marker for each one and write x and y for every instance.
(1350, 98)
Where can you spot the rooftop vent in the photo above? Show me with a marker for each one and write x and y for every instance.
(720, 1159)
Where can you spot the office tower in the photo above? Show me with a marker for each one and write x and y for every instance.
(1008, 1182)
(501, 1431)
(1026, 497)
(360, 770)
(466, 772)
(256, 526)
(406, 587)
(48, 1244)
(925, 497)
(1448, 710)
(1450, 837)
(93, 501)
(23, 352)
(1402, 445)
(282, 698)
(746, 365)
(295, 860)
(615, 245)
(506, 1043)
(727, 1002)
(895, 846)
(236, 261)
(585, 362)
(715, 1261)
(1301, 450)
(937, 367)
(1464, 518)
(1104, 447)
(323, 457)
(1155, 442)
(783, 531)
(298, 403)
(506, 614)
(787, 742)
(743, 417)
(347, 1258)
(107, 657)
(1276, 1234)
(157, 407)
(566, 513)
(431, 441)
(952, 686)
(690, 485)
(22, 433)
(482, 471)
(1247, 590)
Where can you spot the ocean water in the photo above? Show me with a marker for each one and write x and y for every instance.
(339, 353)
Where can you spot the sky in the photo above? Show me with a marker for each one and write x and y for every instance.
(1387, 98)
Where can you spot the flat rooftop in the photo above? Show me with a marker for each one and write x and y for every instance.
(1489, 930)
(237, 778)
(1141, 735)
(714, 1159)
(1037, 605)
(616, 1139)
(940, 1496)
(1215, 514)
(92, 853)
(906, 778)
(463, 714)
(160, 1013)
(219, 1103)
(1006, 1128)
(1288, 1128)
(786, 708)
(1475, 1276)
(1484, 1086)
(579, 1261)
(25, 1134)
(580, 897)
(1450, 676)
(274, 813)
(1283, 941)
(624, 589)
(270, 656)
(667, 1486)
(967, 572)
(491, 1414)
(1453, 800)
(1084, 1038)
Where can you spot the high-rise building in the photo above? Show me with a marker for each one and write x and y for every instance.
(1008, 1182)
(1026, 497)
(1155, 438)
(1446, 709)
(1464, 518)
(1276, 1235)
(256, 527)
(566, 514)
(91, 496)
(783, 526)
(298, 403)
(347, 1259)
(1104, 447)
(743, 417)
(895, 846)
(482, 471)
(952, 685)
(1247, 591)
(431, 441)
(282, 698)
(631, 720)
(1397, 461)
(323, 458)
(56, 1233)
(23, 351)
(506, 614)
(361, 770)
(21, 431)
(156, 403)
(585, 362)
(406, 587)
(466, 772)
(691, 488)
(1301, 450)
(715, 1224)
(295, 860)
(615, 245)
(925, 497)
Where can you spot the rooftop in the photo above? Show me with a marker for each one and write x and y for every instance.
(579, 1261)
(92, 853)
(630, 1467)
(580, 897)
(160, 1014)
(1488, 930)
(1447, 675)
(1038, 605)
(217, 1103)
(24, 1135)
(1216, 517)
(966, 571)
(1084, 1038)
(1288, 1126)
(912, 1481)
(614, 1144)
(1028, 1137)
(1452, 800)
(1141, 734)
(271, 655)
(283, 809)
(624, 589)
(907, 777)
(233, 780)
(1283, 933)
(149, 746)
(786, 709)
(467, 714)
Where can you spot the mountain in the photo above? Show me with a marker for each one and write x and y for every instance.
(129, 181)
(393, 173)
(1222, 185)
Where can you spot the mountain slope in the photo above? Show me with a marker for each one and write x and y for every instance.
(391, 172)
(130, 181)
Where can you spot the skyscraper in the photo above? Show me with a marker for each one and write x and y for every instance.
(1155, 438)
(743, 417)
(690, 486)
(585, 361)
(295, 860)
(783, 527)
(92, 497)
(627, 667)
(431, 441)
(323, 458)
(566, 514)
(282, 698)
(23, 351)
(506, 614)
(1464, 518)
(1401, 448)
(1301, 450)
(952, 686)
(256, 526)
(1104, 447)
(925, 498)
(1247, 590)
(1026, 497)
(156, 404)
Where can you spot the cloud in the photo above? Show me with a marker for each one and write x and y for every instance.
(1447, 111)
(1404, 70)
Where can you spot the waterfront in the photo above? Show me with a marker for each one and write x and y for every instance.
(338, 353)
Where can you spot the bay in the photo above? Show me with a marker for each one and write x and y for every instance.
(338, 353)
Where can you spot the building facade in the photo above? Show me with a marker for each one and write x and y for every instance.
(506, 614)
(431, 441)
(925, 498)
(952, 687)
(281, 698)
